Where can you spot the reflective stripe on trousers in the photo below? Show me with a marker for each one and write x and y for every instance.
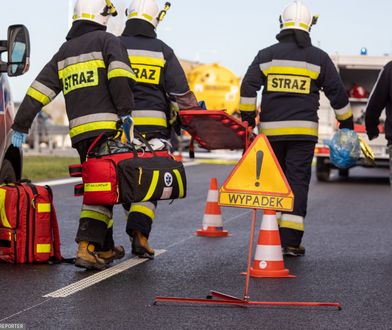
(98, 213)
(140, 216)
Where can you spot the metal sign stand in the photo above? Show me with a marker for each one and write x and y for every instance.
(218, 298)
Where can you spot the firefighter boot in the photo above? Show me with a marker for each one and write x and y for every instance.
(293, 251)
(109, 256)
(140, 246)
(87, 258)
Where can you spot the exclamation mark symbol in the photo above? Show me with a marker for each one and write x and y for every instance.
(259, 164)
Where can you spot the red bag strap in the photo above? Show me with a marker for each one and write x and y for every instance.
(99, 137)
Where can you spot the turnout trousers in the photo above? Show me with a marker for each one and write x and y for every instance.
(295, 159)
(96, 221)
(140, 216)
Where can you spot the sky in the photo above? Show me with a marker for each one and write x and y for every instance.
(212, 31)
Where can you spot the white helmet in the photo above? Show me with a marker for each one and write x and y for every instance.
(97, 11)
(147, 10)
(297, 16)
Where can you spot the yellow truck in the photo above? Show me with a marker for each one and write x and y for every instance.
(215, 84)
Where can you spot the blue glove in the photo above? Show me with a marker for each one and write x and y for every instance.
(202, 105)
(18, 138)
(128, 127)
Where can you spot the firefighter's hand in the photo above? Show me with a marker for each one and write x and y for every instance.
(18, 138)
(372, 133)
(348, 123)
(128, 127)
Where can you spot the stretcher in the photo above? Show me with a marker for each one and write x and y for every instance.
(215, 129)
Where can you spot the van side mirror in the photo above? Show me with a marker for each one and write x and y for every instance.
(18, 47)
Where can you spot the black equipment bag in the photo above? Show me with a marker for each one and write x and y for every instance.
(151, 179)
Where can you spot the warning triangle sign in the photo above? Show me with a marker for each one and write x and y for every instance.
(257, 181)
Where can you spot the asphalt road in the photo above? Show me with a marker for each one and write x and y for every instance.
(348, 260)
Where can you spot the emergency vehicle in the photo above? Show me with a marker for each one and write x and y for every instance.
(18, 48)
(359, 74)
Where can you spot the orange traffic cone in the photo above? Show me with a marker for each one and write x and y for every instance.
(268, 261)
(212, 220)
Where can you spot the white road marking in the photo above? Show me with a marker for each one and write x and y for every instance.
(59, 182)
(98, 277)
(60, 292)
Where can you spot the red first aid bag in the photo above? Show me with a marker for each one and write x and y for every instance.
(28, 224)
(127, 176)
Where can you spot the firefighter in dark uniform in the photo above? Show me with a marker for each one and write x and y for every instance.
(380, 99)
(92, 70)
(292, 73)
(161, 90)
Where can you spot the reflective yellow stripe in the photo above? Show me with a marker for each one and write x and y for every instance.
(303, 25)
(133, 14)
(147, 60)
(97, 186)
(150, 18)
(292, 225)
(289, 24)
(247, 107)
(180, 184)
(3, 215)
(43, 248)
(290, 131)
(78, 67)
(143, 210)
(344, 116)
(153, 186)
(38, 96)
(95, 215)
(291, 70)
(110, 224)
(145, 121)
(120, 73)
(44, 207)
(85, 15)
(92, 127)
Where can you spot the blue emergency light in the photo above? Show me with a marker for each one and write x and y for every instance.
(364, 51)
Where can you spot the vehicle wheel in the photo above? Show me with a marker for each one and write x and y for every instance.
(7, 172)
(344, 173)
(323, 170)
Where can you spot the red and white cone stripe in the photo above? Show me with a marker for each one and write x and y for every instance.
(212, 224)
(268, 260)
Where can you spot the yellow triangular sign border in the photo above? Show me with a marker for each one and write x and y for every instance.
(243, 160)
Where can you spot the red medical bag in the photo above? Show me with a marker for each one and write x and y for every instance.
(112, 179)
(28, 224)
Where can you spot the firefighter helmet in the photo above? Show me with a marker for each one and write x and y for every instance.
(147, 10)
(97, 11)
(297, 16)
